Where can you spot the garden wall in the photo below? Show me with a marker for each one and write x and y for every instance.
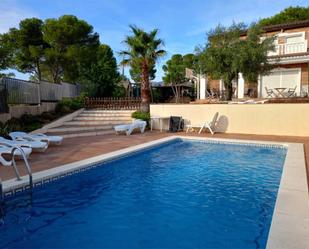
(262, 119)
(17, 111)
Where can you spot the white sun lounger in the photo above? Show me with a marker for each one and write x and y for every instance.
(207, 125)
(249, 101)
(54, 140)
(38, 145)
(3, 161)
(4, 149)
(17, 135)
(37, 137)
(128, 128)
(34, 145)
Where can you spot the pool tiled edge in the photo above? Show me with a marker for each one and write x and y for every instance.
(290, 222)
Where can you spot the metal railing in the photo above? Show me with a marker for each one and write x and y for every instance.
(18, 177)
(113, 103)
(290, 48)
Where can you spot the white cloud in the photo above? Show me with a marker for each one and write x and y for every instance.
(11, 14)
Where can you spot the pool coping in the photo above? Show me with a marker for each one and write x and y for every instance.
(290, 221)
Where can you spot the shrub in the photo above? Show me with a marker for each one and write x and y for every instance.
(68, 105)
(141, 115)
(27, 119)
(32, 126)
(48, 116)
(14, 124)
(4, 130)
(63, 108)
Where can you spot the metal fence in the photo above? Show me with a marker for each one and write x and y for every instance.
(3, 99)
(28, 92)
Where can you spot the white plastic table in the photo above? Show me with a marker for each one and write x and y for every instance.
(160, 119)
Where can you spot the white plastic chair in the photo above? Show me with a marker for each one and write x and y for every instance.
(5, 149)
(3, 161)
(34, 145)
(207, 125)
(57, 140)
(129, 128)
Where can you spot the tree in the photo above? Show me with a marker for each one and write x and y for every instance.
(136, 73)
(226, 55)
(175, 71)
(290, 14)
(103, 76)
(29, 46)
(143, 49)
(5, 52)
(72, 45)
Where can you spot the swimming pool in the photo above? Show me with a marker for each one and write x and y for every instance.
(181, 194)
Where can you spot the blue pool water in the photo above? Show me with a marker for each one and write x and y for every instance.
(179, 195)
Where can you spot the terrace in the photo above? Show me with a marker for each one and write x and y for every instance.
(74, 149)
(244, 185)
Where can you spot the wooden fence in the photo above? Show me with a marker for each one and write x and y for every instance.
(113, 103)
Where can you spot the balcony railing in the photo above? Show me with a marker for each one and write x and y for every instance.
(289, 48)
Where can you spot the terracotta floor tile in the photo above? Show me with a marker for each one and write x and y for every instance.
(75, 149)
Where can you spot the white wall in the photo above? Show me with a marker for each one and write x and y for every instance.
(263, 119)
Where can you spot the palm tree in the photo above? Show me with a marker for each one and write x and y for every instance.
(143, 49)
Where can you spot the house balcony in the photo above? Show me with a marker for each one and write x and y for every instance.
(289, 48)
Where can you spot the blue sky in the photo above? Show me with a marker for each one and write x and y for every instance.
(182, 23)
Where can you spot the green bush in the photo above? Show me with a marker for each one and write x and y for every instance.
(4, 130)
(14, 124)
(27, 119)
(48, 116)
(27, 123)
(68, 105)
(141, 115)
(62, 108)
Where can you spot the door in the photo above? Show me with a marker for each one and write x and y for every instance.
(288, 78)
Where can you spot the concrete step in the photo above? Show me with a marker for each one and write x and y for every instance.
(95, 118)
(83, 134)
(96, 122)
(93, 111)
(71, 129)
(115, 115)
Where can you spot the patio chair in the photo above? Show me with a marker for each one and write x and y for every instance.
(291, 92)
(129, 128)
(34, 145)
(207, 125)
(3, 161)
(39, 146)
(4, 149)
(56, 140)
(269, 92)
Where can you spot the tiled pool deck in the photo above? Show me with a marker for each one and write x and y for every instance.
(290, 224)
(76, 149)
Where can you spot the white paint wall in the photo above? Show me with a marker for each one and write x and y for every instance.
(263, 119)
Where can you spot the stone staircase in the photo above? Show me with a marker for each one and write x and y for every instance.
(92, 122)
